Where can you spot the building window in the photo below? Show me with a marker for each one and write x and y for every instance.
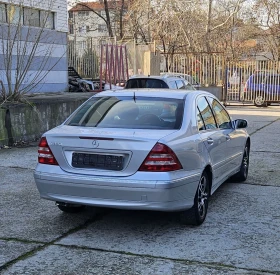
(71, 29)
(102, 28)
(47, 19)
(14, 14)
(70, 14)
(87, 28)
(83, 13)
(3, 13)
(83, 44)
(31, 17)
(27, 16)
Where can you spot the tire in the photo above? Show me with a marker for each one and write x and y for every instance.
(259, 101)
(69, 208)
(197, 214)
(244, 168)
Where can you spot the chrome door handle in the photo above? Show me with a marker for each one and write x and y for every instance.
(210, 141)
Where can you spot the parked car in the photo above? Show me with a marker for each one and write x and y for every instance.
(264, 88)
(158, 82)
(143, 149)
(187, 77)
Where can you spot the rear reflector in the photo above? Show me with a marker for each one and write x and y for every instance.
(161, 159)
(45, 155)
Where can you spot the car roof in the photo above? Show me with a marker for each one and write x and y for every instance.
(166, 93)
(160, 77)
(174, 74)
(265, 74)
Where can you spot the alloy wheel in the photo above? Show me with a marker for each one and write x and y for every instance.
(259, 101)
(202, 196)
(245, 161)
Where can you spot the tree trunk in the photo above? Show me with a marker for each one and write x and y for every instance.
(208, 26)
(109, 26)
(121, 19)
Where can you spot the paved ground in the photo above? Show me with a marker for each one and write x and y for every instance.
(240, 235)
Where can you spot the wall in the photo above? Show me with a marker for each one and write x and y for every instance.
(29, 122)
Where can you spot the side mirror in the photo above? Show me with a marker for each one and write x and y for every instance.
(240, 123)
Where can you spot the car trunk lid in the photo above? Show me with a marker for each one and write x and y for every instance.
(102, 152)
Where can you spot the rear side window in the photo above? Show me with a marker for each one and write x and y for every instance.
(149, 83)
(206, 115)
(180, 84)
(188, 86)
(273, 80)
(129, 113)
(172, 85)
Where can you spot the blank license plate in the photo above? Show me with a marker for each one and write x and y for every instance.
(107, 162)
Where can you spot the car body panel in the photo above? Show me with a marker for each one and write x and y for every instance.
(130, 188)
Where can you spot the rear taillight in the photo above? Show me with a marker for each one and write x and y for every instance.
(161, 159)
(45, 155)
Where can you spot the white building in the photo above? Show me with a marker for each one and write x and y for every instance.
(33, 38)
(88, 20)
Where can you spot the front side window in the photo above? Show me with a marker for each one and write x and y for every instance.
(221, 115)
(129, 113)
(206, 114)
(200, 123)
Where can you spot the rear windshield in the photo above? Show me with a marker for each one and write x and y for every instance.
(146, 83)
(129, 113)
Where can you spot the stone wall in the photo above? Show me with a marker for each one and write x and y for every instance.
(27, 122)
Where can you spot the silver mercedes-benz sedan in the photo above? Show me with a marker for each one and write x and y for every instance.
(165, 150)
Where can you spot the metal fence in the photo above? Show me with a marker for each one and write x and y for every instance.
(84, 55)
(245, 81)
(252, 81)
(206, 69)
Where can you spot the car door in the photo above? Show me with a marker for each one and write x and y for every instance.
(214, 140)
(272, 87)
(235, 138)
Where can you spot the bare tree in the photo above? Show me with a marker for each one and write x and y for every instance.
(267, 15)
(21, 35)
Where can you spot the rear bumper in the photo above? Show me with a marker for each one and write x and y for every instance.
(124, 193)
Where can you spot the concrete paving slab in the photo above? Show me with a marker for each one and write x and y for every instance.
(19, 157)
(27, 217)
(267, 139)
(257, 117)
(241, 230)
(264, 169)
(11, 250)
(69, 261)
